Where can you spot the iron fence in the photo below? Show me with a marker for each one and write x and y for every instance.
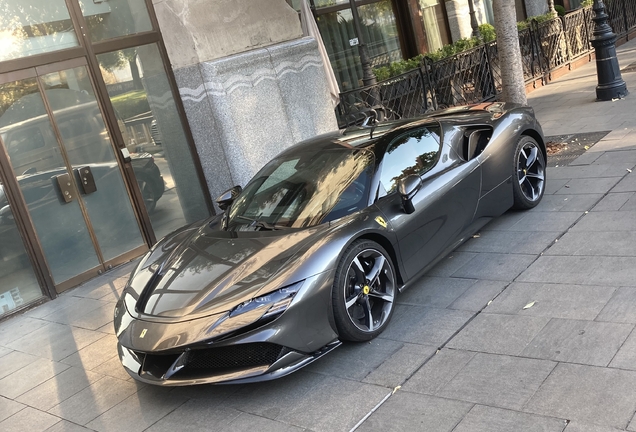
(474, 76)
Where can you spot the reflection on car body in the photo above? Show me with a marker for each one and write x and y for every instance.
(315, 249)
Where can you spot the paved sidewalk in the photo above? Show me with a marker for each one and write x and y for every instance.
(527, 327)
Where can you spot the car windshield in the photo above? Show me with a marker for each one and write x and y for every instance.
(304, 188)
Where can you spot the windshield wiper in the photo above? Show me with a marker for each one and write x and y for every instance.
(261, 223)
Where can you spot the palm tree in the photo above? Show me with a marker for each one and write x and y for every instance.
(513, 84)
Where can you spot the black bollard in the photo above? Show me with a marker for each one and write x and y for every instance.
(610, 82)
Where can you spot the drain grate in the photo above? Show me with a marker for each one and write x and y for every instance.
(569, 147)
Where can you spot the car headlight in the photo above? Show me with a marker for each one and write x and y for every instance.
(273, 304)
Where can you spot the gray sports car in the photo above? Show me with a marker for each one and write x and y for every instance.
(318, 245)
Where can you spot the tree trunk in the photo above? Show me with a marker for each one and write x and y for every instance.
(514, 88)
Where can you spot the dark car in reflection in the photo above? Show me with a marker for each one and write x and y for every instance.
(318, 245)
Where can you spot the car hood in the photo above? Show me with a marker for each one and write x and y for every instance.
(202, 270)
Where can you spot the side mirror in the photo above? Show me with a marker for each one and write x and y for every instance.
(408, 187)
(227, 198)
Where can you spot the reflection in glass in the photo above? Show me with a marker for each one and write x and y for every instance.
(88, 147)
(18, 284)
(379, 31)
(141, 96)
(434, 24)
(29, 27)
(35, 156)
(115, 18)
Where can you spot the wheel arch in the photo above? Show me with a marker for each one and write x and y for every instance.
(388, 246)
(534, 134)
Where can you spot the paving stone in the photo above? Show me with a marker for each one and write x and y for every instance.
(417, 412)
(15, 361)
(17, 327)
(426, 326)
(613, 201)
(595, 270)
(502, 267)
(498, 334)
(622, 158)
(553, 185)
(577, 426)
(69, 314)
(499, 381)
(113, 368)
(5, 351)
(139, 411)
(535, 222)
(586, 158)
(100, 289)
(438, 371)
(552, 300)
(607, 221)
(67, 426)
(197, 415)
(608, 243)
(293, 400)
(96, 318)
(95, 354)
(625, 358)
(435, 291)
(510, 242)
(94, 400)
(575, 341)
(627, 184)
(449, 264)
(567, 203)
(621, 308)
(29, 419)
(478, 295)
(63, 301)
(55, 341)
(9, 407)
(596, 185)
(59, 388)
(488, 419)
(28, 377)
(601, 396)
(247, 422)
(583, 171)
(356, 360)
(630, 205)
(401, 365)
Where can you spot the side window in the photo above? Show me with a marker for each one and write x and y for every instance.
(413, 153)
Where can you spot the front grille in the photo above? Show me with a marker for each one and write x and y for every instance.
(234, 356)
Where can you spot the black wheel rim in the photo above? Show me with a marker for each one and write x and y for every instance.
(369, 290)
(531, 171)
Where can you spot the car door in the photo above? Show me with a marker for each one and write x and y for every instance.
(444, 205)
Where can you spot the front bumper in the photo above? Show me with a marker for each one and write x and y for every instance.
(179, 370)
(222, 348)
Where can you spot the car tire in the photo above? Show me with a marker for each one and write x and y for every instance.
(364, 291)
(528, 178)
(148, 194)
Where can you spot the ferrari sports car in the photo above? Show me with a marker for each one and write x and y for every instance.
(319, 244)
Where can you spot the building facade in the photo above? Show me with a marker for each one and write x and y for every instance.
(112, 135)
(122, 120)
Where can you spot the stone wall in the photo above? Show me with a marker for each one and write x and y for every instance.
(250, 84)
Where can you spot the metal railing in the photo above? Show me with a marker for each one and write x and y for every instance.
(474, 76)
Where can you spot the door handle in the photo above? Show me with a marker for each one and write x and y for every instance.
(86, 179)
(66, 187)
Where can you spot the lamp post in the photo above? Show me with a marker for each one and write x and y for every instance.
(610, 82)
(473, 18)
(368, 78)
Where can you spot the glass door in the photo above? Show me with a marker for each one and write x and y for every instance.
(53, 131)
